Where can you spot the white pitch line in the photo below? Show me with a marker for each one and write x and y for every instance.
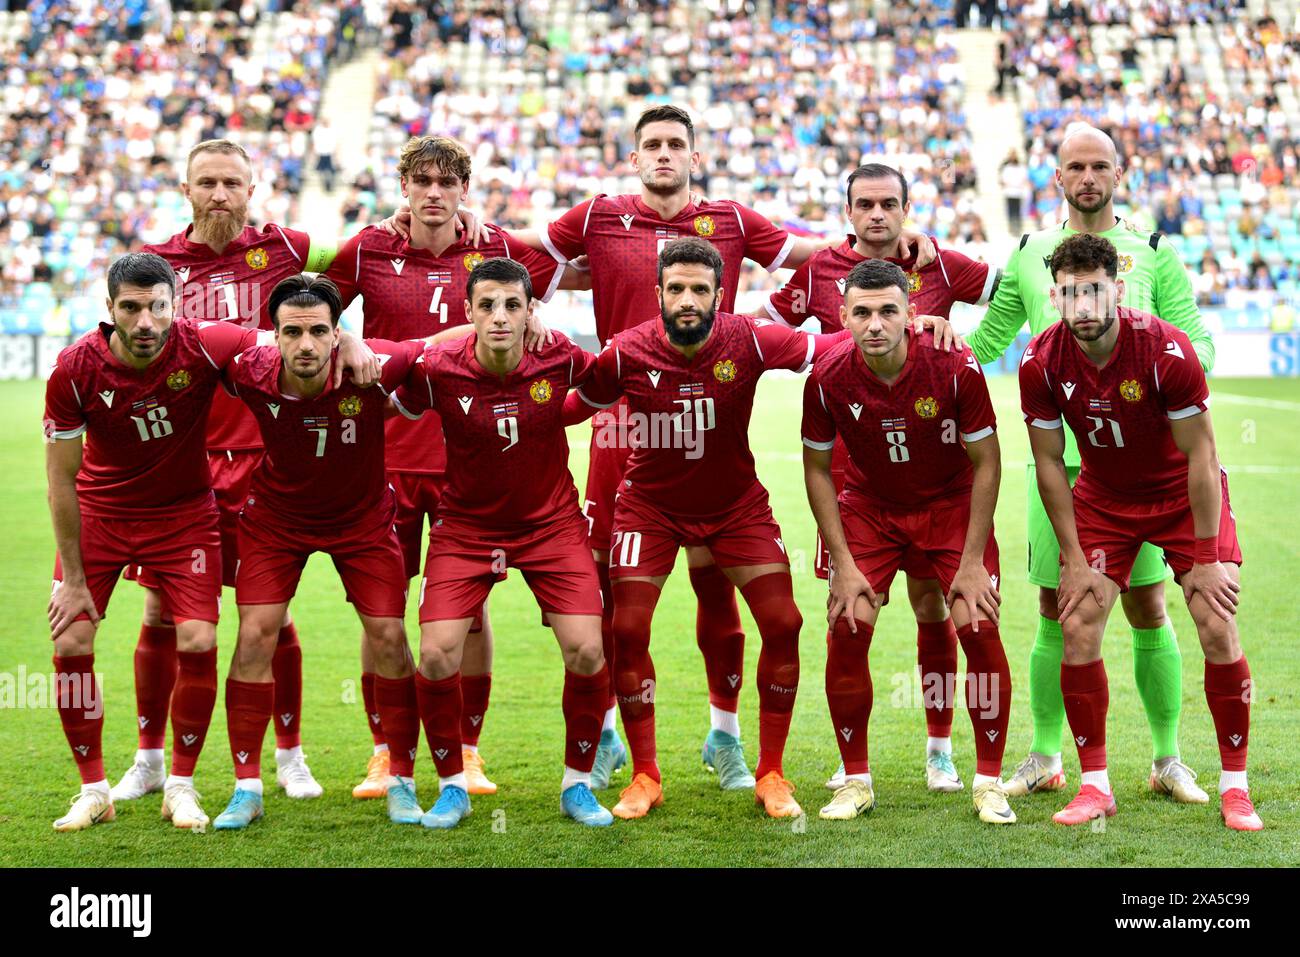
(1256, 401)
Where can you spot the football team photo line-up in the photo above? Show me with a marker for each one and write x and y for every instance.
(453, 405)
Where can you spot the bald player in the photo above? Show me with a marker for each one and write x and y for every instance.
(1155, 282)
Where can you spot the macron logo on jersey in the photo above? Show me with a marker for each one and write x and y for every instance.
(183, 274)
(1174, 349)
(856, 409)
(107, 396)
(1029, 354)
(275, 410)
(973, 363)
(464, 401)
(627, 220)
(397, 265)
(654, 378)
(839, 284)
(1068, 389)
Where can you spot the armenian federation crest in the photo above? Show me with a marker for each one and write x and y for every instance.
(724, 371)
(178, 380)
(471, 260)
(704, 226)
(1130, 390)
(926, 408)
(540, 391)
(350, 406)
(913, 282)
(257, 258)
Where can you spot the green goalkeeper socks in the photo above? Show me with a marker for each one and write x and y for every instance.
(1158, 673)
(1045, 701)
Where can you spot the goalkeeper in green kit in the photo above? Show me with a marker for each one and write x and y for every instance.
(1155, 282)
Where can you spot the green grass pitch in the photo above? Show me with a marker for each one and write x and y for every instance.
(698, 824)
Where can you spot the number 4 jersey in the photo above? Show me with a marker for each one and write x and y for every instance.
(145, 428)
(1119, 413)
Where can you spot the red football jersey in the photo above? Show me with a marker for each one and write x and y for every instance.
(1119, 413)
(817, 287)
(411, 294)
(622, 237)
(324, 462)
(688, 420)
(233, 287)
(904, 440)
(144, 455)
(508, 467)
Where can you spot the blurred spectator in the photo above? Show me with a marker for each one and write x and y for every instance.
(1014, 179)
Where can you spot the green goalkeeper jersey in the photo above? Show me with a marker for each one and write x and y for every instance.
(1154, 281)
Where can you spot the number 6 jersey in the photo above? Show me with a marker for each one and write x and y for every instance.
(1119, 413)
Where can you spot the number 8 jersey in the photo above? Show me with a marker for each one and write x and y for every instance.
(905, 439)
(1120, 412)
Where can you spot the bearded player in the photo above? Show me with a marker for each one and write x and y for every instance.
(622, 236)
(1130, 388)
(138, 388)
(320, 487)
(877, 206)
(922, 486)
(689, 378)
(1155, 281)
(509, 501)
(413, 287)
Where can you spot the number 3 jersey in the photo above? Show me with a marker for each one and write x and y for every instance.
(145, 428)
(688, 419)
(904, 440)
(1119, 413)
(508, 456)
(324, 461)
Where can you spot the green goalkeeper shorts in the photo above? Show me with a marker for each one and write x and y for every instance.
(1045, 552)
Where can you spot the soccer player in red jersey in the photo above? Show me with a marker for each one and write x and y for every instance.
(509, 501)
(320, 487)
(1131, 388)
(622, 237)
(413, 287)
(877, 206)
(922, 486)
(226, 270)
(689, 379)
(138, 388)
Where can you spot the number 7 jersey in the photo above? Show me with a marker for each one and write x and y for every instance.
(1120, 412)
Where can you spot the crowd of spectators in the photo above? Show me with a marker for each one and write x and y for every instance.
(1201, 98)
(101, 101)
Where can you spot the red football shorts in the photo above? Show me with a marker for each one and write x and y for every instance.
(231, 473)
(924, 543)
(465, 560)
(417, 495)
(365, 553)
(645, 540)
(1111, 532)
(182, 553)
(604, 476)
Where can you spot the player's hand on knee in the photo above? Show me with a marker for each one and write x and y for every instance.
(847, 586)
(67, 601)
(1078, 582)
(1215, 586)
(973, 585)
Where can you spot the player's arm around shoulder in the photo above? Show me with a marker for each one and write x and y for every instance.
(1175, 302)
(1005, 315)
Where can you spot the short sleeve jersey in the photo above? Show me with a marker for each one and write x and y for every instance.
(507, 452)
(409, 293)
(817, 287)
(234, 286)
(688, 419)
(1120, 413)
(324, 462)
(622, 237)
(144, 453)
(905, 440)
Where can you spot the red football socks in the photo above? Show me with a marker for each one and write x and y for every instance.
(771, 600)
(719, 635)
(1228, 692)
(440, 705)
(584, 712)
(248, 711)
(1087, 698)
(936, 655)
(286, 672)
(475, 691)
(988, 694)
(849, 691)
(81, 710)
(634, 676)
(155, 676)
(400, 715)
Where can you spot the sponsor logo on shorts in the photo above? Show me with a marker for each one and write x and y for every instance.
(724, 371)
(257, 258)
(180, 379)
